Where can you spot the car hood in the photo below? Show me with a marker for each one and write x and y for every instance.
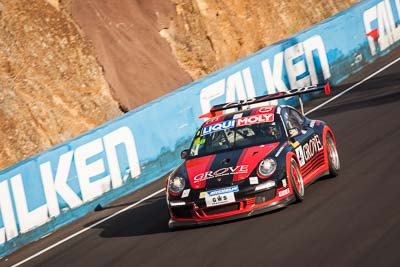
(222, 169)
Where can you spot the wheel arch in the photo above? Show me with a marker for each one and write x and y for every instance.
(327, 130)
(289, 156)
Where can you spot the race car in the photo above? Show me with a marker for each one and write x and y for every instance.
(249, 161)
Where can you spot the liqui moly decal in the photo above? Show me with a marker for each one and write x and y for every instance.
(240, 169)
(255, 119)
(217, 127)
(309, 150)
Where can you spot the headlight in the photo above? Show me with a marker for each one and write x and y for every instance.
(176, 184)
(267, 167)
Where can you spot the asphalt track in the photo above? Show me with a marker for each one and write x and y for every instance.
(351, 220)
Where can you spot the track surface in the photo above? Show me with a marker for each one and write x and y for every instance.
(351, 220)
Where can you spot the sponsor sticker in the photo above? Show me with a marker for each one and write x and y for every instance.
(185, 193)
(202, 195)
(305, 152)
(283, 192)
(199, 141)
(295, 144)
(213, 120)
(260, 118)
(223, 191)
(266, 109)
(253, 180)
(237, 116)
(217, 127)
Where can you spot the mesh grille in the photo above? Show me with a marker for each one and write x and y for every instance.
(182, 212)
(265, 196)
(222, 209)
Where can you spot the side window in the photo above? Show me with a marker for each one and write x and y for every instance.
(285, 116)
(292, 119)
(296, 118)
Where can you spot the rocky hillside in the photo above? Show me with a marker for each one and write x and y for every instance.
(207, 35)
(67, 66)
(51, 86)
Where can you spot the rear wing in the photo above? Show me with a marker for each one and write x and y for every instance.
(218, 109)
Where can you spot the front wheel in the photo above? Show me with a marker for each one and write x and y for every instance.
(333, 156)
(296, 180)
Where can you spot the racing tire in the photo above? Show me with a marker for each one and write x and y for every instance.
(296, 179)
(333, 156)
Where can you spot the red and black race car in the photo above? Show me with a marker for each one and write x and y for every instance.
(250, 161)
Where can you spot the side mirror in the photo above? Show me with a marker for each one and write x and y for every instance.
(185, 154)
(294, 132)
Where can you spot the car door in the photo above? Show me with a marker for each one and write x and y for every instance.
(301, 136)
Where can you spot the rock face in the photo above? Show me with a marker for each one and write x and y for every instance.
(207, 35)
(51, 86)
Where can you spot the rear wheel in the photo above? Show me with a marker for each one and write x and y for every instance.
(296, 180)
(333, 156)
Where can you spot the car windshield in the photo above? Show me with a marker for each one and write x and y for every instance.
(226, 138)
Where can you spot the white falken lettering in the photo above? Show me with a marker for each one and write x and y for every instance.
(9, 229)
(58, 184)
(90, 160)
(300, 65)
(27, 219)
(387, 31)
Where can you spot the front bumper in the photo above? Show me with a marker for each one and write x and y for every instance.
(250, 211)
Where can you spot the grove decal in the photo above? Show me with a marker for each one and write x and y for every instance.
(239, 169)
(308, 150)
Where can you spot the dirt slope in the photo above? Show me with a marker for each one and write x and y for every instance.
(138, 62)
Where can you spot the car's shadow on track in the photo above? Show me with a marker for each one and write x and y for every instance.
(150, 217)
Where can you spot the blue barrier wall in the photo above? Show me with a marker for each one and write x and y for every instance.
(55, 187)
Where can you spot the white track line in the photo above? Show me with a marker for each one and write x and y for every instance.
(353, 86)
(87, 228)
(162, 189)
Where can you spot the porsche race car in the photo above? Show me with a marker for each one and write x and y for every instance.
(249, 161)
